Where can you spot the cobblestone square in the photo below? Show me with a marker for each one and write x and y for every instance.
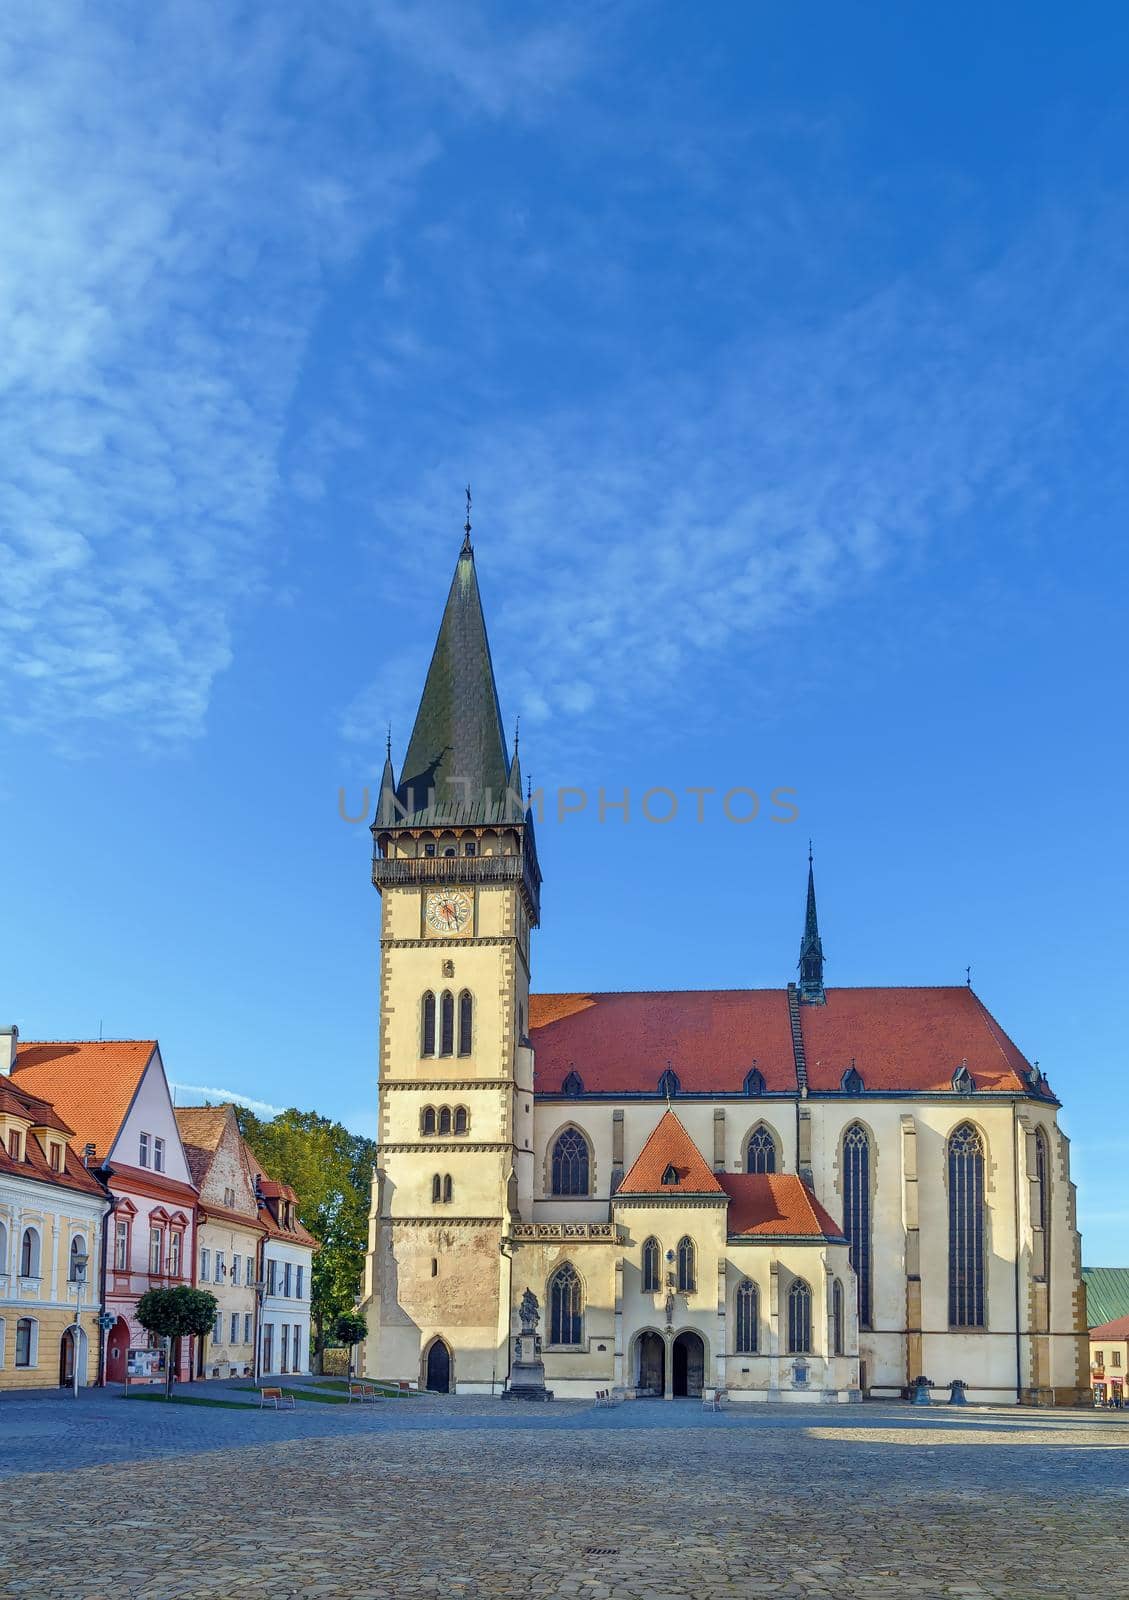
(108, 1498)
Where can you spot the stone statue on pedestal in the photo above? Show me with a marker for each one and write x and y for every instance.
(527, 1373)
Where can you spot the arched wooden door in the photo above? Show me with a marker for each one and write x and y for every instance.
(688, 1366)
(652, 1364)
(439, 1368)
(117, 1348)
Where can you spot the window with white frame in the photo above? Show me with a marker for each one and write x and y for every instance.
(27, 1342)
(299, 1274)
(29, 1253)
(56, 1156)
(247, 1327)
(220, 1266)
(158, 1155)
(3, 1247)
(15, 1144)
(286, 1272)
(175, 1238)
(205, 1264)
(156, 1249)
(229, 1199)
(272, 1277)
(121, 1245)
(217, 1328)
(235, 1327)
(235, 1269)
(143, 1148)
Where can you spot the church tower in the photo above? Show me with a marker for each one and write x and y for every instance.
(455, 863)
(811, 949)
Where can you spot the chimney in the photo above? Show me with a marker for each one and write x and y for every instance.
(88, 1153)
(9, 1039)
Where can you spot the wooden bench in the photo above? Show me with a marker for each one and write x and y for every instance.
(282, 1402)
(405, 1386)
(363, 1392)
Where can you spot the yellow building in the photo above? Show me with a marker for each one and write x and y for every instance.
(51, 1218)
(1109, 1362)
(858, 1186)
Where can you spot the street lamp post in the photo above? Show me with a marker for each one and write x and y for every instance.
(260, 1288)
(79, 1261)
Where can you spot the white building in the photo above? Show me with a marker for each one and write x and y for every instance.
(286, 1265)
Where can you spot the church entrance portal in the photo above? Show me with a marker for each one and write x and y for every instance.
(688, 1367)
(652, 1364)
(439, 1368)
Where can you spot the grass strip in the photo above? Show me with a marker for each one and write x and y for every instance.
(188, 1400)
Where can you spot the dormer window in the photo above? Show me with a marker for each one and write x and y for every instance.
(573, 1085)
(669, 1084)
(852, 1080)
(56, 1156)
(963, 1081)
(670, 1176)
(15, 1144)
(754, 1082)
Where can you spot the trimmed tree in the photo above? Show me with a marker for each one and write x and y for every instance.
(350, 1329)
(176, 1314)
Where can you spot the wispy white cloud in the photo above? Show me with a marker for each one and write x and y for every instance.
(178, 186)
(215, 1095)
(681, 516)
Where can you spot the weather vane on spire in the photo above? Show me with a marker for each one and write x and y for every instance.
(466, 524)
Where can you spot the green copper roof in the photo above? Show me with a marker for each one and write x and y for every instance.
(456, 768)
(1107, 1294)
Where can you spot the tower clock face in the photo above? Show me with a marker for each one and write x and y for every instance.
(447, 911)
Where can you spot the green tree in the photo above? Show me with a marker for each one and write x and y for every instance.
(330, 1170)
(176, 1314)
(350, 1329)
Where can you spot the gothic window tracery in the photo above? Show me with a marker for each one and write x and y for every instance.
(760, 1152)
(447, 1023)
(652, 1267)
(799, 1318)
(746, 1318)
(466, 1020)
(570, 1164)
(966, 1228)
(427, 1025)
(856, 1211)
(566, 1310)
(687, 1265)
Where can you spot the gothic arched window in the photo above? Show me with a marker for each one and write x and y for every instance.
(462, 1121)
(427, 1121)
(444, 1119)
(836, 1318)
(436, 1189)
(570, 1163)
(652, 1267)
(427, 1028)
(447, 1189)
(760, 1152)
(1043, 1198)
(669, 1084)
(754, 1082)
(966, 1228)
(565, 1306)
(466, 1018)
(856, 1210)
(746, 1318)
(447, 1024)
(573, 1084)
(799, 1318)
(852, 1080)
(687, 1265)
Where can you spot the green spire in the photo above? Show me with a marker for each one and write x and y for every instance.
(456, 767)
(811, 948)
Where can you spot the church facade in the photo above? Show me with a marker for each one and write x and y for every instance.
(796, 1193)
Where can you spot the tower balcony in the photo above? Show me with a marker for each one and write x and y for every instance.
(403, 871)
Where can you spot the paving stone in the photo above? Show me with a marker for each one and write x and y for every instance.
(448, 1496)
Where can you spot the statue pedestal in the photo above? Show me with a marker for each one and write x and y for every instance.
(527, 1374)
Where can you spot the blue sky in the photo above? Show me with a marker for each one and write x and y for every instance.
(784, 348)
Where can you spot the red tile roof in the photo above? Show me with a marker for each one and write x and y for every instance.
(908, 1040)
(272, 1190)
(767, 1203)
(621, 1043)
(16, 1101)
(669, 1146)
(89, 1082)
(1117, 1329)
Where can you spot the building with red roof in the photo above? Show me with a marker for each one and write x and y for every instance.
(794, 1192)
(52, 1212)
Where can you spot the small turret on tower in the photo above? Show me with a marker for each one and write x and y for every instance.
(811, 948)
